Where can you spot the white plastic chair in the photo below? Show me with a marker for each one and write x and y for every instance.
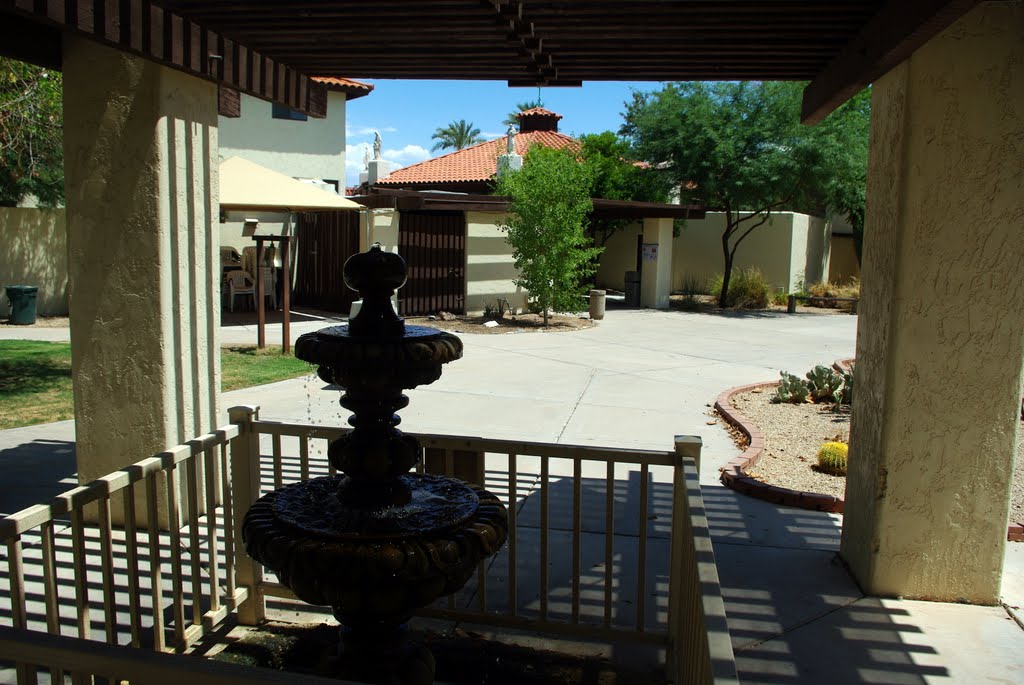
(240, 283)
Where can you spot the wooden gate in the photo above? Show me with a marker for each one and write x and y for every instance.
(433, 245)
(324, 241)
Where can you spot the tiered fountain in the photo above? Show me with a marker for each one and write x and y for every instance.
(376, 542)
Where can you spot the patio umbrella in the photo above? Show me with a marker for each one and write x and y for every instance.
(247, 185)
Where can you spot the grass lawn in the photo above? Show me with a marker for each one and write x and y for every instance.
(35, 377)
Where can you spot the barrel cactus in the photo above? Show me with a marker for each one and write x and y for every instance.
(832, 458)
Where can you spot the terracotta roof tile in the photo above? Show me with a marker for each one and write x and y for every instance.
(538, 112)
(354, 89)
(475, 163)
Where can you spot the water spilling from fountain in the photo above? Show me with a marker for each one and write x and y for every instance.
(376, 542)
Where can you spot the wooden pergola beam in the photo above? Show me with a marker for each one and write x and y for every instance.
(148, 30)
(888, 38)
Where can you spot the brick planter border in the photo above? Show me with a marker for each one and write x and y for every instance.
(734, 474)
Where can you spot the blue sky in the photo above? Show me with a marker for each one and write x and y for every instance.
(408, 112)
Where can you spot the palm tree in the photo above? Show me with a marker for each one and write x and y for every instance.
(456, 135)
(511, 120)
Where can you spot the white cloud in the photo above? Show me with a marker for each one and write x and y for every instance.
(410, 154)
(368, 130)
(489, 135)
(399, 157)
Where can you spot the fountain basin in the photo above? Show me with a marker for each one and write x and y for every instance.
(375, 566)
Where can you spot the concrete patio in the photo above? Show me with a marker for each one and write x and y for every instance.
(636, 380)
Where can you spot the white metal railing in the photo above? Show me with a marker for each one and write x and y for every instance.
(604, 544)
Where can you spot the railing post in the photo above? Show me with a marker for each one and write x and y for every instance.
(245, 489)
(701, 647)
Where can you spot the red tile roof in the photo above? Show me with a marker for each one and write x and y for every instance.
(475, 163)
(353, 89)
(538, 112)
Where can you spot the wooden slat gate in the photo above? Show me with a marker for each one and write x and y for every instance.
(434, 247)
(325, 240)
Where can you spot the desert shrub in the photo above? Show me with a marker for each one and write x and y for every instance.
(491, 311)
(828, 290)
(832, 458)
(791, 389)
(780, 299)
(748, 289)
(692, 285)
(822, 383)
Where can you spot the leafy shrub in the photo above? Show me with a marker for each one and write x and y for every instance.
(748, 289)
(823, 382)
(780, 299)
(493, 311)
(832, 458)
(791, 389)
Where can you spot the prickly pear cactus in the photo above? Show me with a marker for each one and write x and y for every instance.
(844, 395)
(791, 389)
(832, 458)
(823, 382)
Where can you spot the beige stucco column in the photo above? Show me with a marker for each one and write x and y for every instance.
(941, 331)
(140, 158)
(656, 275)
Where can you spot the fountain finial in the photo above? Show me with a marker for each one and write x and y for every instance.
(376, 275)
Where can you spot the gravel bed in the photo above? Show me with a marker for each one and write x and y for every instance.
(794, 432)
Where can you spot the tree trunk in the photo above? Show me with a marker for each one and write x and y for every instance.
(727, 275)
(545, 316)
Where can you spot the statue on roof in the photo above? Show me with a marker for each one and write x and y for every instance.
(366, 158)
(376, 144)
(510, 140)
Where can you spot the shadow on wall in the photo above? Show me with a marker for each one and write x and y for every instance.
(35, 253)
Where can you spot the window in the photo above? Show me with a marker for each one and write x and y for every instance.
(282, 112)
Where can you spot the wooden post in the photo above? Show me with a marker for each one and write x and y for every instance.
(261, 315)
(245, 482)
(286, 297)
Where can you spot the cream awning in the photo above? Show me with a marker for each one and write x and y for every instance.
(247, 185)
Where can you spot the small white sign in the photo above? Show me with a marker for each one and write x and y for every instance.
(650, 252)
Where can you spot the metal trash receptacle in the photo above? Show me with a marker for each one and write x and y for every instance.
(632, 289)
(23, 303)
(597, 304)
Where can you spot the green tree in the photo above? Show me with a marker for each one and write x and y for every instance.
(738, 147)
(511, 119)
(616, 176)
(31, 134)
(456, 135)
(546, 227)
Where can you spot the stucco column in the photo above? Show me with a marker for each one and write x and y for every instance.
(140, 161)
(656, 275)
(941, 334)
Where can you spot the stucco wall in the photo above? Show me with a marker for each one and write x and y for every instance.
(234, 234)
(140, 160)
(314, 148)
(619, 256)
(34, 251)
(940, 339)
(843, 264)
(490, 268)
(697, 252)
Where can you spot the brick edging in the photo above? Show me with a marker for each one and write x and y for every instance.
(734, 473)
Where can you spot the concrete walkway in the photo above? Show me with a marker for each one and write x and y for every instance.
(638, 379)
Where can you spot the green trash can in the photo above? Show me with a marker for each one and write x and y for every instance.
(23, 303)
